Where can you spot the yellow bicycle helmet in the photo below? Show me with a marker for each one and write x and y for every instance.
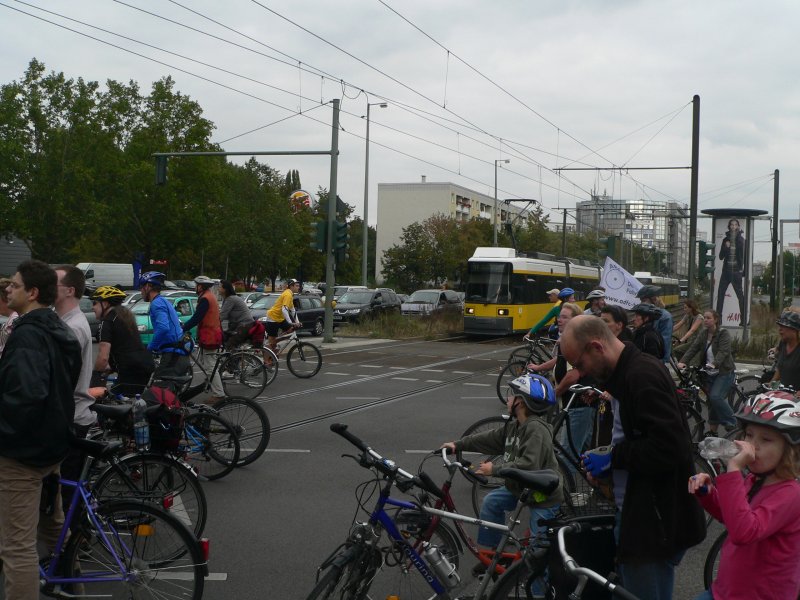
(108, 293)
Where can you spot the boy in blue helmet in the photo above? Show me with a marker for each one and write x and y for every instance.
(524, 442)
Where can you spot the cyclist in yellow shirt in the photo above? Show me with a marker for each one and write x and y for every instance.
(282, 315)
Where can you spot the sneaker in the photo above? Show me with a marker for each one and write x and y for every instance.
(479, 570)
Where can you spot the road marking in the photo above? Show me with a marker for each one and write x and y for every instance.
(358, 397)
(478, 384)
(300, 450)
(433, 370)
(434, 380)
(477, 397)
(400, 368)
(462, 372)
(336, 373)
(217, 577)
(371, 366)
(417, 451)
(406, 378)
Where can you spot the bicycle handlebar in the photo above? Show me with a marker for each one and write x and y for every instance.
(482, 479)
(575, 569)
(581, 389)
(385, 465)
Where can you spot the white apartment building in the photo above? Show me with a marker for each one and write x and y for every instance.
(401, 204)
(662, 226)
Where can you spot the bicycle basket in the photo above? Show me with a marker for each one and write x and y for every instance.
(593, 547)
(581, 499)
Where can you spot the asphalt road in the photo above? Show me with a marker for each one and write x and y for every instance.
(272, 523)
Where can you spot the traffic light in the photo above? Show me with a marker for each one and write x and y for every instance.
(161, 170)
(705, 259)
(319, 236)
(341, 241)
(608, 248)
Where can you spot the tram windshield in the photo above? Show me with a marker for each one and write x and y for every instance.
(488, 282)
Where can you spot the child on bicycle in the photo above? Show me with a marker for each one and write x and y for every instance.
(761, 509)
(524, 442)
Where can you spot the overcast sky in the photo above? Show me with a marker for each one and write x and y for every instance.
(567, 83)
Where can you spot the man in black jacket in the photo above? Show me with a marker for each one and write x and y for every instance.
(650, 463)
(38, 373)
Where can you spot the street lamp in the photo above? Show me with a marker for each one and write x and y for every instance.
(365, 243)
(494, 215)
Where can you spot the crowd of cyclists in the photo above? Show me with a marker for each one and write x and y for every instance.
(646, 453)
(49, 378)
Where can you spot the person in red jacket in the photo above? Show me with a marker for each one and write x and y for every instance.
(761, 509)
(209, 331)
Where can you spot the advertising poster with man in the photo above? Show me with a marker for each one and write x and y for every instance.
(731, 291)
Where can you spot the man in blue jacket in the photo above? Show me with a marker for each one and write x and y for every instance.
(39, 370)
(650, 294)
(167, 330)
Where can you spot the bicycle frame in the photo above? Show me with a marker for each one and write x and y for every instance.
(83, 495)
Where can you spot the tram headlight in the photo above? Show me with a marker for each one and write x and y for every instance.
(502, 312)
(469, 310)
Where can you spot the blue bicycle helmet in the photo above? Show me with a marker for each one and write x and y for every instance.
(566, 293)
(152, 277)
(536, 391)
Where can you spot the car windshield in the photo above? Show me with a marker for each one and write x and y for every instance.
(356, 298)
(264, 303)
(424, 297)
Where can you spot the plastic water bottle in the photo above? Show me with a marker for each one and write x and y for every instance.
(713, 447)
(141, 428)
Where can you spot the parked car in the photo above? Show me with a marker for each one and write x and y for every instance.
(343, 289)
(185, 284)
(131, 298)
(183, 303)
(94, 325)
(310, 311)
(359, 304)
(427, 302)
(251, 297)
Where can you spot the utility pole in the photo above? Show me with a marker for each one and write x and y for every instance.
(693, 194)
(564, 235)
(773, 292)
(330, 278)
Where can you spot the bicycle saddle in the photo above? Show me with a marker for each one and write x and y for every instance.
(544, 481)
(175, 378)
(95, 448)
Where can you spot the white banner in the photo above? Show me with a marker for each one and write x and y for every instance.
(620, 286)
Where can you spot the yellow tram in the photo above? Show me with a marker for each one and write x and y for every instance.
(670, 288)
(507, 292)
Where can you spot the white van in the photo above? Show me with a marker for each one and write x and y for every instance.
(98, 274)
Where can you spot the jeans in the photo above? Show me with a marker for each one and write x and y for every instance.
(494, 508)
(704, 595)
(581, 428)
(719, 410)
(20, 493)
(652, 580)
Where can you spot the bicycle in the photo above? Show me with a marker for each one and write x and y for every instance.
(241, 373)
(203, 439)
(537, 349)
(353, 569)
(121, 549)
(303, 358)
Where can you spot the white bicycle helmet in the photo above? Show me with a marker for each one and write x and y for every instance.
(204, 281)
(776, 409)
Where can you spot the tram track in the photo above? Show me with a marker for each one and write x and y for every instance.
(388, 399)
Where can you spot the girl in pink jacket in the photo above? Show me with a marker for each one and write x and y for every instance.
(761, 509)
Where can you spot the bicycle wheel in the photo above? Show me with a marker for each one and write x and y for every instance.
(243, 375)
(209, 444)
(749, 384)
(251, 423)
(161, 480)
(348, 575)
(270, 361)
(479, 490)
(712, 560)
(304, 360)
(521, 578)
(159, 556)
(510, 371)
(521, 353)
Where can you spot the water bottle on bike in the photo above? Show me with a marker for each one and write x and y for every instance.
(141, 428)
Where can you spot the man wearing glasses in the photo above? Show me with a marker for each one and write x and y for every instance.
(39, 370)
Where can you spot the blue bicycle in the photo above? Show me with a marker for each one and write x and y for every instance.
(121, 549)
(355, 569)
